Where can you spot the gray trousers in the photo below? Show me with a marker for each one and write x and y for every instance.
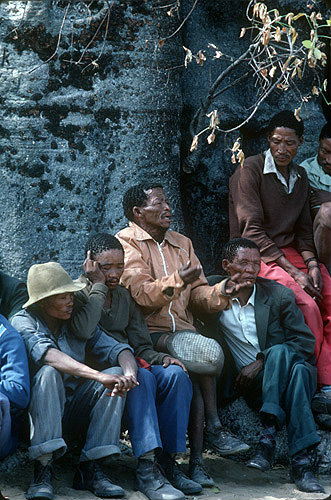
(90, 417)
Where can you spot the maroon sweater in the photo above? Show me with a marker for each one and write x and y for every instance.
(262, 211)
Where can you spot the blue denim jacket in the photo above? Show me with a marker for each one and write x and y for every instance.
(99, 349)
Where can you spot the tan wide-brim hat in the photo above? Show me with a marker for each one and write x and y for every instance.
(45, 280)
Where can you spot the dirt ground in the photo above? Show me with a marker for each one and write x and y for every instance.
(234, 482)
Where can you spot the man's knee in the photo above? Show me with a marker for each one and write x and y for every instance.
(47, 376)
(323, 217)
(280, 350)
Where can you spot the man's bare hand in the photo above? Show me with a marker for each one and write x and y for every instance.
(189, 273)
(232, 287)
(92, 270)
(247, 375)
(315, 274)
(118, 385)
(169, 360)
(306, 282)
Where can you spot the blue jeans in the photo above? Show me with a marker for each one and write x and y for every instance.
(8, 441)
(89, 417)
(157, 410)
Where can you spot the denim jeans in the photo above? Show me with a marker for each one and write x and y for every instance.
(8, 442)
(88, 416)
(157, 410)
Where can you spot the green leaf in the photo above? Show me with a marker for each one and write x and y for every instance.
(317, 54)
(215, 489)
(307, 44)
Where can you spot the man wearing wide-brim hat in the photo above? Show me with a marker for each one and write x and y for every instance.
(70, 401)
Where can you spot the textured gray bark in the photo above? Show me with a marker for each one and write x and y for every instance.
(73, 141)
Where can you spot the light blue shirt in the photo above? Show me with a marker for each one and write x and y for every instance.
(239, 328)
(270, 168)
(318, 179)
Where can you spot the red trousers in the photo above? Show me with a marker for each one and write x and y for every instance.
(317, 314)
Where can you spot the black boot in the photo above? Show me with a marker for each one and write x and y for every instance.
(41, 486)
(305, 480)
(263, 458)
(176, 476)
(151, 481)
(89, 476)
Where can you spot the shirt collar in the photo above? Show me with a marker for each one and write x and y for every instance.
(270, 168)
(251, 299)
(141, 235)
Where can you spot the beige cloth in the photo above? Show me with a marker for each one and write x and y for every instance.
(151, 275)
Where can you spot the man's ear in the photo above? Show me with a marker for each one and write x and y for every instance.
(136, 211)
(300, 140)
(225, 265)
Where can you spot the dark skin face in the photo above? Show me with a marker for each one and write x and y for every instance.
(154, 216)
(246, 266)
(56, 309)
(283, 143)
(324, 155)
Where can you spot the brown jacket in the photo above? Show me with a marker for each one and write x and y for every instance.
(151, 275)
(262, 211)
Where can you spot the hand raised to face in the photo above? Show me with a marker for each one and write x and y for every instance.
(92, 270)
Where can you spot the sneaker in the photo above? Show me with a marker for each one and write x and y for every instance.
(199, 474)
(321, 403)
(304, 479)
(151, 481)
(224, 443)
(263, 458)
(89, 476)
(41, 486)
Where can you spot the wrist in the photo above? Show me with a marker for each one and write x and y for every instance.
(313, 260)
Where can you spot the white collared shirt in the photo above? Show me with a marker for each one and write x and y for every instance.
(239, 329)
(270, 168)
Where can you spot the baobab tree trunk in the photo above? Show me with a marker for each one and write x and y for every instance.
(74, 137)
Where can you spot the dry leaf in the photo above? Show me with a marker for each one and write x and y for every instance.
(289, 17)
(319, 16)
(278, 34)
(236, 145)
(161, 43)
(242, 32)
(272, 71)
(218, 54)
(211, 138)
(214, 121)
(294, 35)
(241, 157)
(315, 90)
(266, 37)
(256, 9)
(201, 58)
(233, 158)
(212, 46)
(194, 144)
(188, 57)
(296, 114)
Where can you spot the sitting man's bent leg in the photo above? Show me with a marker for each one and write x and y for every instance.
(46, 441)
(143, 421)
(98, 416)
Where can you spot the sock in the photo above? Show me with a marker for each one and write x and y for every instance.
(150, 455)
(45, 459)
(300, 458)
(326, 388)
(268, 436)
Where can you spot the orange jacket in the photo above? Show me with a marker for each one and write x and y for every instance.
(151, 275)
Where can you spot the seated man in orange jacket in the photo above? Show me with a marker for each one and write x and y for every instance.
(165, 278)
